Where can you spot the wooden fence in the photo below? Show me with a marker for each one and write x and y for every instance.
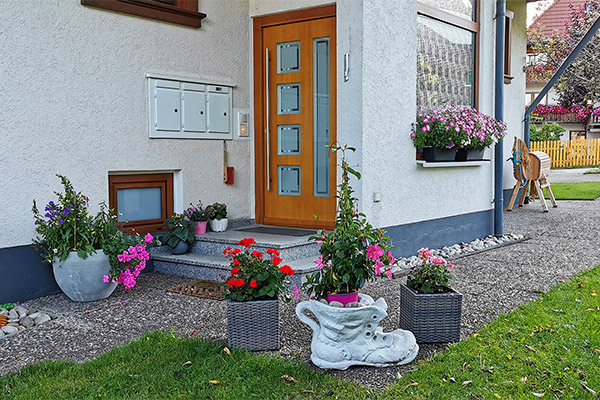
(570, 153)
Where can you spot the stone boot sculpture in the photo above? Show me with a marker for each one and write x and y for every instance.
(351, 336)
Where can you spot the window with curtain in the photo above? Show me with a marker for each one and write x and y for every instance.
(447, 53)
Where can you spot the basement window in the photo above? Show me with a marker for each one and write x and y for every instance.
(182, 12)
(142, 201)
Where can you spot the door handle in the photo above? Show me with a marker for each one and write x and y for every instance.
(267, 119)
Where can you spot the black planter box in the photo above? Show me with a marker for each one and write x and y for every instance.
(432, 318)
(469, 155)
(435, 154)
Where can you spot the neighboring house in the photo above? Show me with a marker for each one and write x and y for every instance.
(133, 100)
(554, 20)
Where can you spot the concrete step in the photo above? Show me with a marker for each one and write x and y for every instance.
(290, 248)
(217, 268)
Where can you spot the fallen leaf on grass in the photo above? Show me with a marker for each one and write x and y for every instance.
(497, 395)
(596, 350)
(465, 365)
(538, 394)
(524, 379)
(592, 391)
(594, 293)
(187, 363)
(580, 372)
(509, 356)
(289, 378)
(580, 285)
(529, 362)
(412, 384)
(467, 383)
(559, 311)
(227, 351)
(452, 379)
(214, 382)
(530, 348)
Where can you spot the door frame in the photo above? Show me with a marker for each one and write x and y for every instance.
(259, 93)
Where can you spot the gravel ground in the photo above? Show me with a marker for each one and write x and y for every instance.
(560, 244)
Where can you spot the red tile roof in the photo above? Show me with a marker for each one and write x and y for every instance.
(555, 16)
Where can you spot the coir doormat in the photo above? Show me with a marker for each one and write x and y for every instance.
(205, 289)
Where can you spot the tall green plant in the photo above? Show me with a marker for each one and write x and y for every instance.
(354, 252)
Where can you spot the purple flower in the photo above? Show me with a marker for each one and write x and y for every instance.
(56, 214)
(72, 207)
(48, 215)
(51, 204)
(60, 221)
(67, 212)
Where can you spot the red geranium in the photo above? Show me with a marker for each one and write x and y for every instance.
(266, 280)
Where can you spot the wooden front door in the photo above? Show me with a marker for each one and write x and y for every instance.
(296, 88)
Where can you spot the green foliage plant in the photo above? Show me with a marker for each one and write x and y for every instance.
(354, 252)
(547, 132)
(179, 229)
(255, 275)
(431, 275)
(217, 211)
(67, 226)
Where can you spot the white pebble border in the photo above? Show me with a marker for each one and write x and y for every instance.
(20, 318)
(404, 265)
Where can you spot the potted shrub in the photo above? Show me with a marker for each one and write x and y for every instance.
(455, 132)
(217, 213)
(353, 252)
(198, 215)
(429, 307)
(82, 249)
(253, 288)
(180, 233)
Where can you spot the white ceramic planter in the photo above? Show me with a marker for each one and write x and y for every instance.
(81, 279)
(219, 225)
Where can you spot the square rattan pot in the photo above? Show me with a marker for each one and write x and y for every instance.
(253, 325)
(432, 318)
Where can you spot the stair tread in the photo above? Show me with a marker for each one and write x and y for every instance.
(301, 265)
(232, 237)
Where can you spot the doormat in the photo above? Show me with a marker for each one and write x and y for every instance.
(271, 230)
(205, 289)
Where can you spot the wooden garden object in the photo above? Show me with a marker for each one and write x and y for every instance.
(530, 169)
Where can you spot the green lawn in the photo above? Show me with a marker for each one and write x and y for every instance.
(550, 348)
(576, 191)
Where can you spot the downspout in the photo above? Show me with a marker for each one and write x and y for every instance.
(588, 36)
(499, 114)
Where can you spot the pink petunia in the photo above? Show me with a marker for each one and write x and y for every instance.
(148, 238)
(378, 266)
(296, 292)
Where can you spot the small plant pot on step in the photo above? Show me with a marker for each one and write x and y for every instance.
(432, 318)
(200, 227)
(253, 325)
(218, 225)
(181, 248)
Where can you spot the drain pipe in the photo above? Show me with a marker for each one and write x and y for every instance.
(499, 114)
(588, 36)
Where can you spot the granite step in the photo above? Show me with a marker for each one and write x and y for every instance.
(290, 248)
(217, 268)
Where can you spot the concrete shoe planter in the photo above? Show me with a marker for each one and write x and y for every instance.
(81, 279)
(350, 336)
(433, 318)
(253, 325)
(218, 225)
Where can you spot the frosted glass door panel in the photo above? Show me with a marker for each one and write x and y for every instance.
(288, 57)
(139, 204)
(321, 115)
(288, 98)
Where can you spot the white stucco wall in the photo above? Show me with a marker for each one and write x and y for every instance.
(74, 102)
(514, 101)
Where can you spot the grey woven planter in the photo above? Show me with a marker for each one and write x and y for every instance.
(432, 318)
(253, 325)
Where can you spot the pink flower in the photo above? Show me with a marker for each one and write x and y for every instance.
(148, 238)
(320, 262)
(296, 292)
(391, 257)
(106, 278)
(378, 265)
(120, 258)
(389, 273)
(374, 252)
(425, 253)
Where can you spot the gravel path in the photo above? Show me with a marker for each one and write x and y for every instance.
(561, 243)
